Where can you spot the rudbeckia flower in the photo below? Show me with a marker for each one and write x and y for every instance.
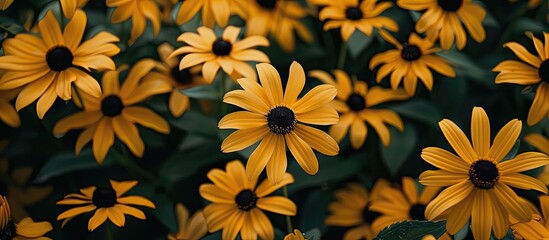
(189, 227)
(276, 119)
(26, 229)
(533, 70)
(105, 202)
(9, 115)
(139, 12)
(212, 11)
(478, 181)
(351, 208)
(47, 66)
(443, 20)
(4, 4)
(537, 227)
(280, 19)
(541, 143)
(355, 106)
(238, 203)
(168, 71)
(409, 62)
(113, 113)
(350, 15)
(225, 52)
(69, 6)
(296, 235)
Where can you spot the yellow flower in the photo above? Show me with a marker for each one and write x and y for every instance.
(47, 66)
(212, 11)
(537, 227)
(478, 180)
(9, 115)
(276, 118)
(354, 103)
(237, 203)
(113, 113)
(167, 8)
(69, 6)
(534, 71)
(107, 202)
(168, 71)
(26, 229)
(226, 52)
(409, 62)
(352, 209)
(189, 228)
(139, 11)
(296, 235)
(542, 144)
(443, 20)
(4, 4)
(350, 15)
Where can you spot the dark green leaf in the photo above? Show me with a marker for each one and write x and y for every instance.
(313, 234)
(412, 230)
(165, 212)
(202, 92)
(68, 162)
(314, 210)
(402, 144)
(420, 110)
(198, 123)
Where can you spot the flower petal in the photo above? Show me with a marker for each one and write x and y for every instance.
(458, 140)
(505, 140)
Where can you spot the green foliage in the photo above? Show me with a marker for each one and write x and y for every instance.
(412, 230)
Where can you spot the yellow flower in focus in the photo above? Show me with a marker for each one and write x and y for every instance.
(478, 181)
(113, 113)
(350, 15)
(296, 235)
(26, 229)
(212, 11)
(238, 203)
(9, 115)
(225, 52)
(189, 227)
(69, 6)
(278, 118)
(47, 66)
(4, 4)
(354, 104)
(105, 202)
(443, 20)
(537, 227)
(139, 11)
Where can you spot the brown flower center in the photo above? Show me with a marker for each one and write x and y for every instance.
(410, 52)
(267, 4)
(9, 231)
(353, 13)
(281, 120)
(246, 199)
(111, 106)
(450, 5)
(543, 71)
(417, 212)
(484, 174)
(356, 102)
(59, 58)
(183, 77)
(104, 197)
(369, 216)
(221, 47)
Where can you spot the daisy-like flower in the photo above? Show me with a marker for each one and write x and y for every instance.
(238, 204)
(113, 113)
(9, 115)
(4, 4)
(139, 11)
(443, 20)
(352, 209)
(225, 52)
(105, 202)
(212, 11)
(541, 143)
(280, 19)
(409, 62)
(479, 182)
(47, 66)
(190, 227)
(69, 6)
(168, 71)
(296, 235)
(536, 228)
(533, 70)
(278, 119)
(350, 15)
(26, 229)
(355, 106)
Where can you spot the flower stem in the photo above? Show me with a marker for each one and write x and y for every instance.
(342, 55)
(109, 232)
(222, 91)
(289, 226)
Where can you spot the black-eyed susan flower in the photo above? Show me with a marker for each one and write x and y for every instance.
(69, 6)
(238, 203)
(114, 112)
(351, 15)
(212, 11)
(47, 66)
(9, 115)
(410, 61)
(296, 235)
(139, 12)
(478, 181)
(443, 20)
(168, 70)
(4, 4)
(355, 106)
(351, 208)
(541, 143)
(26, 229)
(533, 70)
(278, 118)
(280, 19)
(225, 52)
(105, 202)
(537, 227)
(189, 227)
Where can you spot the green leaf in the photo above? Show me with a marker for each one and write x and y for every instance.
(198, 123)
(420, 110)
(315, 209)
(358, 42)
(468, 67)
(202, 92)
(412, 230)
(401, 146)
(313, 234)
(67, 162)
(165, 212)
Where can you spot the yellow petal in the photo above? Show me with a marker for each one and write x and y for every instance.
(523, 162)
(303, 153)
(481, 217)
(277, 204)
(317, 139)
(97, 219)
(243, 138)
(441, 178)
(260, 156)
(271, 82)
(505, 140)
(242, 120)
(539, 108)
(458, 140)
(522, 181)
(127, 132)
(146, 118)
(276, 166)
(261, 224)
(448, 198)
(444, 160)
(296, 82)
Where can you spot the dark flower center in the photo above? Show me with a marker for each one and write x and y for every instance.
(369, 216)
(59, 58)
(9, 232)
(281, 120)
(268, 4)
(246, 200)
(221, 47)
(450, 5)
(543, 71)
(484, 174)
(112, 106)
(410, 52)
(182, 76)
(417, 212)
(356, 102)
(353, 13)
(104, 197)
